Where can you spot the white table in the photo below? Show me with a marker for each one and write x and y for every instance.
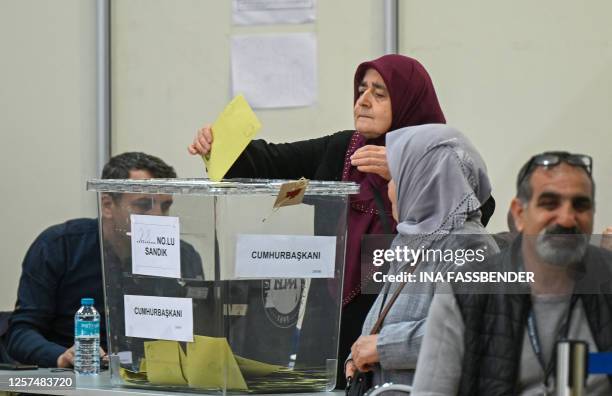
(100, 385)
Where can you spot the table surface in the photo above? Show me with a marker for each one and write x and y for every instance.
(100, 385)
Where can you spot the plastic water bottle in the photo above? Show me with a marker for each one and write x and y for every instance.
(87, 339)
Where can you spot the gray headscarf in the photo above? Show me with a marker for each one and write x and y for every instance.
(440, 177)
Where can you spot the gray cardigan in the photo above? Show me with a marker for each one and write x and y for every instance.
(402, 332)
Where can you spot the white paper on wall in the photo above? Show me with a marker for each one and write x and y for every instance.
(275, 71)
(259, 12)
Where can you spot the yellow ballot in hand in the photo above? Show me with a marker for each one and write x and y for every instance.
(164, 361)
(211, 365)
(232, 132)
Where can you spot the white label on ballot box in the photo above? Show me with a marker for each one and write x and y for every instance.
(285, 256)
(125, 357)
(161, 318)
(156, 246)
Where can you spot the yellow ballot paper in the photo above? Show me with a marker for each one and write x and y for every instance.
(132, 376)
(232, 132)
(135, 376)
(253, 368)
(211, 364)
(164, 362)
(143, 365)
(139, 376)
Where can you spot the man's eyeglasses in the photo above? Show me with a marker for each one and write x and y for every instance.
(554, 158)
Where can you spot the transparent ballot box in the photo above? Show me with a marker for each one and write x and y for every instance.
(209, 288)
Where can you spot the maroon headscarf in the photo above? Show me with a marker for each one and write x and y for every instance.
(413, 102)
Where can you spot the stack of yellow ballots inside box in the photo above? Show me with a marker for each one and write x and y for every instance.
(208, 364)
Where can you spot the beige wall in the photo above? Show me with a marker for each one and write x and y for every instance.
(171, 72)
(517, 77)
(521, 77)
(47, 123)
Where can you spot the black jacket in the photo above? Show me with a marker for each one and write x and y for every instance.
(315, 159)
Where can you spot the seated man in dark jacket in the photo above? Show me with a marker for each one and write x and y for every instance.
(500, 340)
(64, 264)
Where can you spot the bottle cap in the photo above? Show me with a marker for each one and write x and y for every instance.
(87, 301)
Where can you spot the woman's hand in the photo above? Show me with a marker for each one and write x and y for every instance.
(372, 159)
(364, 352)
(202, 143)
(349, 369)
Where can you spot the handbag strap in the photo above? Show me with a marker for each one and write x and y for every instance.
(383, 314)
(385, 311)
(383, 220)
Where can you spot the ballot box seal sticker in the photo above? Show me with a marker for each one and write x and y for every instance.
(281, 299)
(291, 193)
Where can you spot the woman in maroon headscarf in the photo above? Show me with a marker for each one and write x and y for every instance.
(391, 92)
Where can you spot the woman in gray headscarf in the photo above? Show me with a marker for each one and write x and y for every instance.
(439, 183)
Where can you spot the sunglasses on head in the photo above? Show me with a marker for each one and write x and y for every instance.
(554, 158)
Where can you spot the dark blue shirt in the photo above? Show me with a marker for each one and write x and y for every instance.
(62, 266)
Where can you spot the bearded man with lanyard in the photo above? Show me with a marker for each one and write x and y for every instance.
(502, 341)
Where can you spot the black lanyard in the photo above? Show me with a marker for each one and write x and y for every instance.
(532, 331)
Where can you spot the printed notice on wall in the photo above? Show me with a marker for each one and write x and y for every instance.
(260, 12)
(275, 70)
(161, 318)
(285, 256)
(156, 246)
